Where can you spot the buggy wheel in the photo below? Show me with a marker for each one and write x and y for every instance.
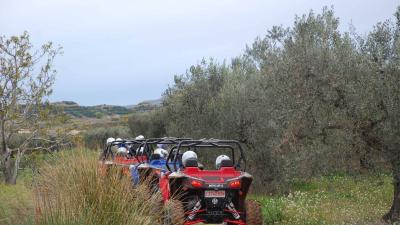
(253, 213)
(173, 213)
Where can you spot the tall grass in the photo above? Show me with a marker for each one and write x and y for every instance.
(71, 191)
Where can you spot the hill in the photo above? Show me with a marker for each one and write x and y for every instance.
(77, 111)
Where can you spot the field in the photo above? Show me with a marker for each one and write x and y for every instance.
(335, 199)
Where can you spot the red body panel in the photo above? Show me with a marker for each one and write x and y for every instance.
(124, 160)
(212, 176)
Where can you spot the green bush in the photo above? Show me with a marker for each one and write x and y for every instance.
(272, 210)
(96, 138)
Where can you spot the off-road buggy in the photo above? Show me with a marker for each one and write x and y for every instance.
(111, 157)
(152, 169)
(194, 195)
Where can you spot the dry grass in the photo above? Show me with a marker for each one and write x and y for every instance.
(71, 191)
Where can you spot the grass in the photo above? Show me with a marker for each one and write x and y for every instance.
(70, 190)
(16, 204)
(338, 199)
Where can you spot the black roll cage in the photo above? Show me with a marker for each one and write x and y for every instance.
(146, 144)
(206, 143)
(107, 151)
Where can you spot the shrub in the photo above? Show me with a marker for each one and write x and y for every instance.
(70, 190)
(96, 138)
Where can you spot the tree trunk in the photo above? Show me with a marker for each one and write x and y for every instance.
(10, 169)
(394, 213)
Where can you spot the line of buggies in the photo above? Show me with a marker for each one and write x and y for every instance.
(182, 172)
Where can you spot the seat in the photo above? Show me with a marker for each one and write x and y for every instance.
(155, 157)
(191, 163)
(226, 163)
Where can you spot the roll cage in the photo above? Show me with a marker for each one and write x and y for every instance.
(108, 149)
(148, 145)
(173, 156)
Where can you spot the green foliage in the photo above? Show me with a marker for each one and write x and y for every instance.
(26, 80)
(93, 111)
(149, 124)
(272, 210)
(342, 200)
(96, 137)
(306, 100)
(99, 115)
(16, 205)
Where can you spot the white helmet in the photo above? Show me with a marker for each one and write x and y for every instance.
(188, 155)
(122, 151)
(162, 152)
(140, 137)
(219, 160)
(119, 139)
(110, 139)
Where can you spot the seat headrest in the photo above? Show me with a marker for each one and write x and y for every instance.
(155, 157)
(227, 163)
(191, 163)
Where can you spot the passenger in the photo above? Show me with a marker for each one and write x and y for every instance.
(189, 159)
(110, 140)
(161, 150)
(220, 159)
(140, 137)
(122, 152)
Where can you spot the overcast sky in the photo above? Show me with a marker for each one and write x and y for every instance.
(124, 51)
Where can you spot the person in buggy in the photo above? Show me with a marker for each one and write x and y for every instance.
(156, 151)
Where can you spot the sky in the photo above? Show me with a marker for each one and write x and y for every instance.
(121, 52)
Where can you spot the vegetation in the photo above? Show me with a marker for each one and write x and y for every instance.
(334, 199)
(74, 110)
(22, 93)
(16, 204)
(95, 138)
(78, 111)
(307, 100)
(71, 190)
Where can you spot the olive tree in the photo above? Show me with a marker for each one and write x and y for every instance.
(26, 79)
(375, 107)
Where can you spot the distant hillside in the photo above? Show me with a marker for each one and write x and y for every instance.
(145, 106)
(75, 110)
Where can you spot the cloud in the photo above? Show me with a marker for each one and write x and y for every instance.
(125, 51)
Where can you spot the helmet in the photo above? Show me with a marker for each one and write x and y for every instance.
(220, 159)
(163, 146)
(188, 155)
(140, 137)
(110, 139)
(119, 139)
(122, 151)
(163, 153)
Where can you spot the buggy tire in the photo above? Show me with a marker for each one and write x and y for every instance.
(253, 213)
(174, 213)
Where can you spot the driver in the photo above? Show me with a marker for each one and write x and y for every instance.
(161, 150)
(219, 160)
(110, 140)
(189, 156)
(122, 152)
